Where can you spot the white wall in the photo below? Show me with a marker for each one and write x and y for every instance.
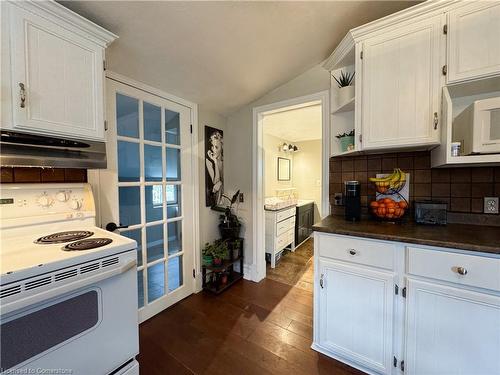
(238, 142)
(307, 173)
(271, 153)
(209, 219)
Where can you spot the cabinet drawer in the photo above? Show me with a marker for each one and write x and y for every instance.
(472, 270)
(356, 250)
(285, 225)
(285, 239)
(285, 214)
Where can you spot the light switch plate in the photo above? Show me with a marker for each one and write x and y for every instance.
(491, 205)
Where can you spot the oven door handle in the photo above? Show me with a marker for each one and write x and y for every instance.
(60, 290)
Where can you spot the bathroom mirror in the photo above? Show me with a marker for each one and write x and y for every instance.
(284, 169)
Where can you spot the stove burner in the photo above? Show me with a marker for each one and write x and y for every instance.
(87, 244)
(61, 237)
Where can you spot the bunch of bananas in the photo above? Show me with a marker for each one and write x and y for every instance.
(393, 182)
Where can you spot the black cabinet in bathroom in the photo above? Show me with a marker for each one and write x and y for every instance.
(304, 221)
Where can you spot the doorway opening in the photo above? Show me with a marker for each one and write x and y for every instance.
(290, 176)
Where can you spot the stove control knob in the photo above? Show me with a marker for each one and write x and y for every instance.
(62, 196)
(75, 204)
(45, 201)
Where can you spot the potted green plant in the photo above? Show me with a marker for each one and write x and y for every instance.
(346, 89)
(229, 224)
(346, 140)
(236, 249)
(218, 251)
(207, 258)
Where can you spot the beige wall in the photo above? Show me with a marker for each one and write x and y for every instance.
(307, 173)
(238, 142)
(209, 219)
(271, 154)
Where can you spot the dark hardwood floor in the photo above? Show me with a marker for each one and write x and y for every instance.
(252, 328)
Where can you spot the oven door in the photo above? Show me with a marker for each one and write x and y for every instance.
(89, 330)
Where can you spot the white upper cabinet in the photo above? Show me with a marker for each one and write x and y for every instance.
(473, 41)
(401, 82)
(56, 72)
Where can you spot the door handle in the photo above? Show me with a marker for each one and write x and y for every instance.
(321, 281)
(436, 120)
(111, 227)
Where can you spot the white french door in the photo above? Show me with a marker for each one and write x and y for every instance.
(147, 191)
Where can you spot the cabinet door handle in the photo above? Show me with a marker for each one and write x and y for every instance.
(436, 120)
(352, 252)
(22, 95)
(462, 271)
(321, 281)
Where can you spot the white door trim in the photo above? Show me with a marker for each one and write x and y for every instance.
(93, 175)
(258, 268)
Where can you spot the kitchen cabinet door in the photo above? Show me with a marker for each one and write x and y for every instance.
(473, 46)
(57, 78)
(356, 314)
(451, 330)
(401, 83)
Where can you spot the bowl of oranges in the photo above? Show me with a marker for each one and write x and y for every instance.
(388, 209)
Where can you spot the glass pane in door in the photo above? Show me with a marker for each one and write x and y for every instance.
(156, 281)
(153, 163)
(128, 162)
(173, 201)
(127, 116)
(140, 288)
(154, 242)
(136, 235)
(174, 237)
(152, 122)
(172, 127)
(154, 202)
(174, 273)
(129, 199)
(173, 164)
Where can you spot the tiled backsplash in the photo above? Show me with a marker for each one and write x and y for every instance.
(35, 175)
(462, 188)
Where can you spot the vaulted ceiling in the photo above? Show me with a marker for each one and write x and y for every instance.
(223, 55)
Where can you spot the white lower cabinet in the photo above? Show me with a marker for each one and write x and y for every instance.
(356, 314)
(450, 330)
(428, 311)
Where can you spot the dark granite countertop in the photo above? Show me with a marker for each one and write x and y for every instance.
(457, 236)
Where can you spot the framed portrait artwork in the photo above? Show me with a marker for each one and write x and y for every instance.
(214, 166)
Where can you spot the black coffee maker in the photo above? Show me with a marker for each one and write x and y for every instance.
(352, 200)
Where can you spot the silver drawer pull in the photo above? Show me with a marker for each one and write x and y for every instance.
(321, 281)
(352, 251)
(462, 271)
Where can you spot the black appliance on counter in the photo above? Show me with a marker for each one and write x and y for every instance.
(352, 200)
(430, 212)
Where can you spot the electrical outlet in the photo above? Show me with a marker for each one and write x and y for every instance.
(337, 199)
(491, 205)
(241, 198)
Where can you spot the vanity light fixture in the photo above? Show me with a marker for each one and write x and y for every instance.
(288, 147)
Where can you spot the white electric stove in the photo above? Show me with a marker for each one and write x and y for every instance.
(68, 289)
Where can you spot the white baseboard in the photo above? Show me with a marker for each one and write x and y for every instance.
(248, 272)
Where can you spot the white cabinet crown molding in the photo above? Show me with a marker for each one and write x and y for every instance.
(340, 54)
(346, 46)
(68, 19)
